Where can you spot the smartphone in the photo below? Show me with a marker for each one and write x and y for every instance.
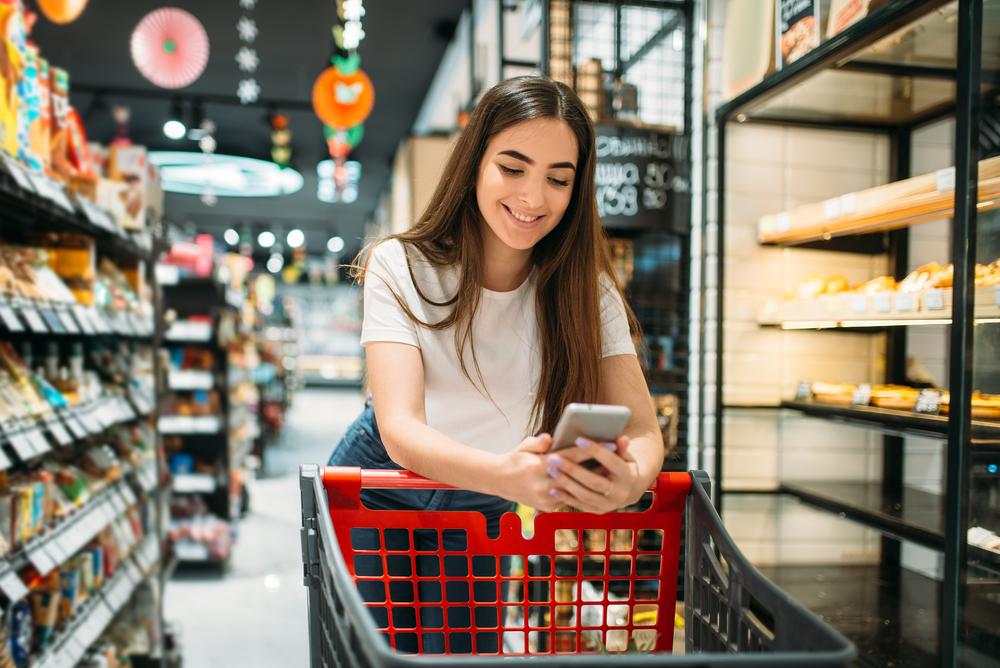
(598, 422)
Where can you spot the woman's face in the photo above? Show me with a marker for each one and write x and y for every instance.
(526, 180)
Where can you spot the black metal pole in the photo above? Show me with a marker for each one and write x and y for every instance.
(501, 36)
(720, 282)
(969, 51)
(543, 66)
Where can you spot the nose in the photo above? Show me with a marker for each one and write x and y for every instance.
(531, 195)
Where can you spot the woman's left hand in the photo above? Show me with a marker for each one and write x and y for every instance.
(615, 485)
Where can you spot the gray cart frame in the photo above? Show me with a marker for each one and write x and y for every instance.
(726, 604)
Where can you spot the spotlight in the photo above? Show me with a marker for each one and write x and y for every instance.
(275, 263)
(266, 239)
(174, 128)
(335, 244)
(295, 238)
(231, 236)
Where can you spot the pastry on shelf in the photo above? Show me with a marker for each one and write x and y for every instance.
(931, 275)
(839, 394)
(880, 284)
(897, 397)
(986, 406)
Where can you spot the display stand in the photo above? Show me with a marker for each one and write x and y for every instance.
(34, 205)
(854, 222)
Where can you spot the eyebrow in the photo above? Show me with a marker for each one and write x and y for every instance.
(522, 157)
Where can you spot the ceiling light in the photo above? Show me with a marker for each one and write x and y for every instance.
(231, 236)
(295, 238)
(194, 172)
(266, 239)
(174, 129)
(275, 263)
(335, 244)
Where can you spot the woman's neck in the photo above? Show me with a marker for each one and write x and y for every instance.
(504, 268)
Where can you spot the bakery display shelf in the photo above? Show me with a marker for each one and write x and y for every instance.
(877, 310)
(25, 316)
(30, 439)
(180, 425)
(94, 617)
(894, 421)
(62, 541)
(880, 209)
(186, 380)
(899, 62)
(34, 202)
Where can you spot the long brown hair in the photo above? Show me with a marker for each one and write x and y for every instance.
(569, 261)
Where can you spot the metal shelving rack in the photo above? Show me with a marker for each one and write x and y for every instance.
(32, 203)
(899, 513)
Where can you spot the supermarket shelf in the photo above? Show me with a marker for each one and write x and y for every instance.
(34, 317)
(892, 421)
(879, 310)
(89, 623)
(880, 209)
(181, 425)
(181, 380)
(194, 483)
(31, 439)
(32, 202)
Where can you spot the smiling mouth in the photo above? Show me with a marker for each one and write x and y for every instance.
(518, 217)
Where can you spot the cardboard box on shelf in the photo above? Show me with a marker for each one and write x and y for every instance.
(75, 261)
(128, 165)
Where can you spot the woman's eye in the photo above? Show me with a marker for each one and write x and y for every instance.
(558, 182)
(510, 170)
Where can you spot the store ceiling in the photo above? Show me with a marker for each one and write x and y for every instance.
(401, 52)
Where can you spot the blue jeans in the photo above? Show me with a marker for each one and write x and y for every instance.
(362, 446)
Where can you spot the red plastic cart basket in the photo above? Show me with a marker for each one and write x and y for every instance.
(582, 585)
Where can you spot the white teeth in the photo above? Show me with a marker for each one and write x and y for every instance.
(523, 219)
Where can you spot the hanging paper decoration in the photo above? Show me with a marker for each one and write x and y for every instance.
(281, 139)
(62, 11)
(248, 89)
(343, 100)
(170, 47)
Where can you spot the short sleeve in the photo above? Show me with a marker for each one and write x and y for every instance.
(384, 319)
(615, 336)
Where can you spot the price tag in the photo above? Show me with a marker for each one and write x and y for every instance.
(928, 402)
(906, 302)
(934, 300)
(38, 441)
(78, 430)
(803, 392)
(188, 551)
(22, 445)
(848, 204)
(52, 320)
(12, 586)
(859, 304)
(91, 423)
(945, 179)
(81, 317)
(10, 320)
(69, 324)
(39, 557)
(882, 302)
(831, 208)
(35, 322)
(18, 173)
(101, 323)
(59, 433)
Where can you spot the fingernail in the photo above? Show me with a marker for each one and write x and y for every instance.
(583, 443)
(554, 492)
(552, 471)
(555, 461)
(610, 446)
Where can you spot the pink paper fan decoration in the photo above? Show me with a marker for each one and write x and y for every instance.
(170, 47)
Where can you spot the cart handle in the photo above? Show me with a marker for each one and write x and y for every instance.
(391, 479)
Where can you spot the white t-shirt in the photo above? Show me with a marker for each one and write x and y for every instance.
(505, 332)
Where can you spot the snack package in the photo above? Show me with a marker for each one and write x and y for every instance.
(11, 63)
(59, 146)
(69, 586)
(22, 629)
(45, 610)
(128, 165)
(29, 110)
(41, 128)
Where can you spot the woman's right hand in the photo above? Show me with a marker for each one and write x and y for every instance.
(523, 475)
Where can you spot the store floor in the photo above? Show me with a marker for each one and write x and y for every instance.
(255, 616)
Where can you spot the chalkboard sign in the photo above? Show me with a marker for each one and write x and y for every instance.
(797, 30)
(642, 178)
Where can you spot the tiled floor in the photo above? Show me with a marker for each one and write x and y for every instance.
(255, 616)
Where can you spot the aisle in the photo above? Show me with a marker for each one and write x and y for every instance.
(256, 615)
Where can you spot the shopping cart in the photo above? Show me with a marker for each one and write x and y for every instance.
(579, 588)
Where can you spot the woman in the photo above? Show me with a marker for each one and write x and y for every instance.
(497, 309)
